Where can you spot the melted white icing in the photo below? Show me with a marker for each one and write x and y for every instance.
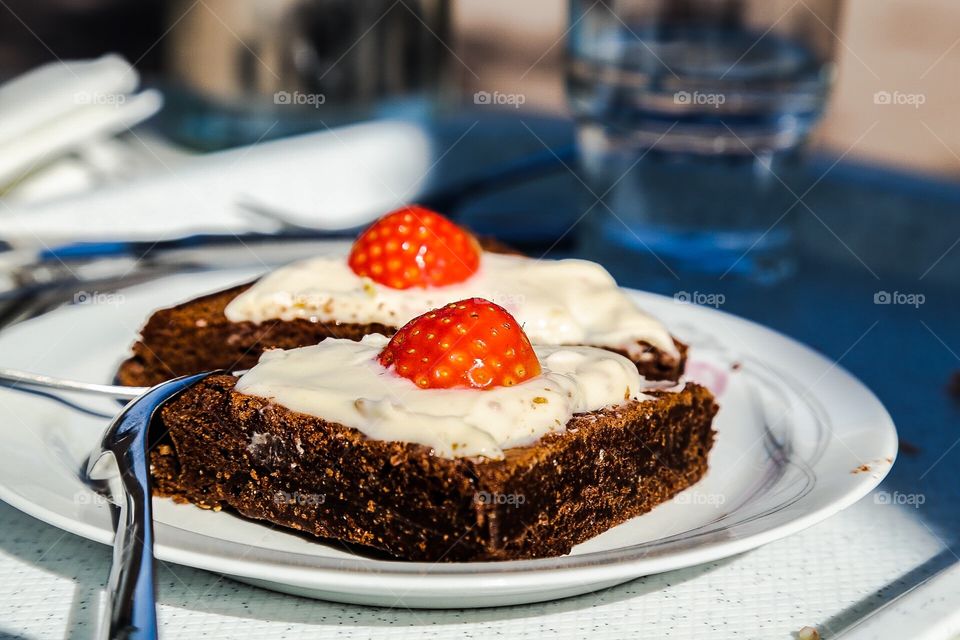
(341, 381)
(560, 302)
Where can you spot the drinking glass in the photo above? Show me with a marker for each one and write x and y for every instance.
(691, 115)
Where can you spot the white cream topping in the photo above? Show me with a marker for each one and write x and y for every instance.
(341, 381)
(560, 302)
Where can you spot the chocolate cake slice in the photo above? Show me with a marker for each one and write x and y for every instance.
(407, 262)
(221, 449)
(197, 336)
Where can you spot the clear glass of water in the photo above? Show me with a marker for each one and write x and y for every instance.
(691, 115)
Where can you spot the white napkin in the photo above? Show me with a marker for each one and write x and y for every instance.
(60, 106)
(335, 179)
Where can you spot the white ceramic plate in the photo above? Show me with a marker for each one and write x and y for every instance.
(798, 440)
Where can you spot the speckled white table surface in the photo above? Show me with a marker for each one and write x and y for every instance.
(51, 586)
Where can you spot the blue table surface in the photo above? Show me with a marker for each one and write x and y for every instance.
(874, 230)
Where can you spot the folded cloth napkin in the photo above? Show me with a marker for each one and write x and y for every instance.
(336, 179)
(63, 106)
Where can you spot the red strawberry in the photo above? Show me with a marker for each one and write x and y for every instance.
(415, 247)
(472, 343)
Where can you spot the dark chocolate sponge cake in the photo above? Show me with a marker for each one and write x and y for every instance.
(217, 448)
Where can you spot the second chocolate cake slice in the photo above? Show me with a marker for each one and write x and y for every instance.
(382, 284)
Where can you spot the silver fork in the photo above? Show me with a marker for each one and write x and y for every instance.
(131, 612)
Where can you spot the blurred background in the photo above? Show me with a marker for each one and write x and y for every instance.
(506, 46)
(879, 49)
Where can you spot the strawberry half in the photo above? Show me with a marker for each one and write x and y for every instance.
(473, 343)
(415, 247)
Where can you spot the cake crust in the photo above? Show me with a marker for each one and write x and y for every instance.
(217, 448)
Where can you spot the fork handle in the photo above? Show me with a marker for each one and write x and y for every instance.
(133, 614)
(132, 608)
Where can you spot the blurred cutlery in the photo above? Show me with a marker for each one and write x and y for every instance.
(17, 378)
